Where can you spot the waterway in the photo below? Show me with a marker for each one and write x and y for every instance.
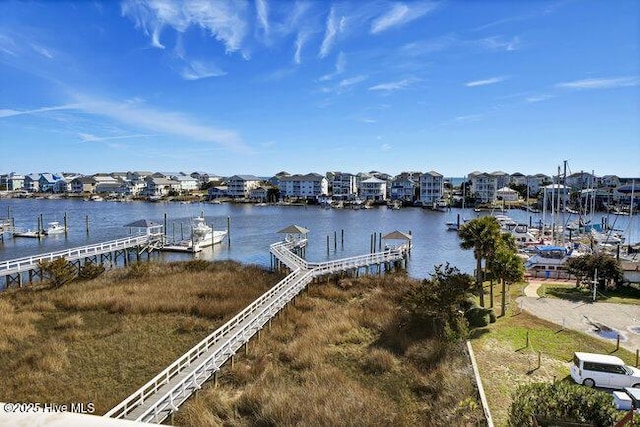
(254, 228)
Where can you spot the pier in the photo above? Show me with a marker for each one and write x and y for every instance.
(161, 396)
(13, 270)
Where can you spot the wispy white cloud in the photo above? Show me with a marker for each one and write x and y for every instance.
(301, 40)
(351, 81)
(485, 82)
(400, 14)
(425, 47)
(602, 83)
(500, 43)
(393, 86)
(386, 147)
(42, 50)
(341, 63)
(226, 20)
(468, 118)
(196, 70)
(8, 45)
(87, 137)
(538, 98)
(333, 27)
(262, 10)
(11, 113)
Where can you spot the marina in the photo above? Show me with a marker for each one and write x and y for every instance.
(334, 233)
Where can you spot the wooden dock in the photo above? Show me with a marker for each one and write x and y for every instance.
(162, 395)
(14, 269)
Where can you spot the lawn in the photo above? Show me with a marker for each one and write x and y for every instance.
(622, 295)
(505, 360)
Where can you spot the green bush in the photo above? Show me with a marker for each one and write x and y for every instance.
(90, 271)
(492, 317)
(562, 401)
(57, 272)
(478, 317)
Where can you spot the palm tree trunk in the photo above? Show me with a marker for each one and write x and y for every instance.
(479, 280)
(503, 302)
(491, 292)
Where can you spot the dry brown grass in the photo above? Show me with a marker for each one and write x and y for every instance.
(326, 361)
(98, 341)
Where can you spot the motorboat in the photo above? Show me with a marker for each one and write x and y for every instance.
(55, 228)
(202, 236)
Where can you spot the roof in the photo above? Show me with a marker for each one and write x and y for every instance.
(397, 235)
(374, 180)
(142, 223)
(549, 248)
(245, 178)
(294, 229)
(602, 358)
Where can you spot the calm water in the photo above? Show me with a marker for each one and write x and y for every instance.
(253, 228)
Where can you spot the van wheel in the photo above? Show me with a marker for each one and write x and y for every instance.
(636, 385)
(589, 382)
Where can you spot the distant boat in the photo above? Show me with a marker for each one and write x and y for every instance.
(55, 228)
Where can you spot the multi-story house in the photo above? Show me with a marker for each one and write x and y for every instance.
(239, 186)
(431, 188)
(309, 186)
(518, 179)
(610, 181)
(580, 181)
(344, 186)
(187, 183)
(32, 182)
(404, 186)
(373, 189)
(47, 181)
(13, 181)
(484, 186)
(158, 187)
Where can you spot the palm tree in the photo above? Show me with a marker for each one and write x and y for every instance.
(505, 242)
(481, 235)
(507, 266)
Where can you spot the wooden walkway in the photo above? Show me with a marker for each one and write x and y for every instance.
(162, 395)
(12, 270)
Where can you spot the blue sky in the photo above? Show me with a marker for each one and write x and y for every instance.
(256, 87)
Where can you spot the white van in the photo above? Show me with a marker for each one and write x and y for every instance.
(603, 370)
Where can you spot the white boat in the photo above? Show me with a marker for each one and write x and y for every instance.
(55, 228)
(549, 260)
(202, 236)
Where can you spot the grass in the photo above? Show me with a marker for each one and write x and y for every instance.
(98, 341)
(339, 355)
(622, 295)
(505, 361)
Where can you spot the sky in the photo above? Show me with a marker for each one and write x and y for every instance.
(261, 86)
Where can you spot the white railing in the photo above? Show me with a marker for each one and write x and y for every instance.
(143, 393)
(150, 403)
(21, 264)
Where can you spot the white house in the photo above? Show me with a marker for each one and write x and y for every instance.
(403, 186)
(241, 185)
(187, 183)
(344, 186)
(160, 186)
(431, 188)
(373, 189)
(309, 186)
(507, 194)
(13, 181)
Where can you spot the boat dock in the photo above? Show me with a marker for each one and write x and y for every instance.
(13, 270)
(161, 396)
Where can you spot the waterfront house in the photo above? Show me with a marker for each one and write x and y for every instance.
(507, 194)
(431, 188)
(580, 181)
(258, 194)
(47, 181)
(63, 185)
(518, 179)
(484, 186)
(83, 185)
(309, 186)
(609, 181)
(551, 193)
(159, 187)
(32, 182)
(373, 189)
(344, 186)
(217, 192)
(239, 186)
(12, 182)
(405, 186)
(203, 177)
(187, 183)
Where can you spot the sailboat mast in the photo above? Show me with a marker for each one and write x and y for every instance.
(564, 199)
(633, 185)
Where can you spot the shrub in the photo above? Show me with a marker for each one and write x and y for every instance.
(561, 401)
(138, 271)
(196, 265)
(90, 271)
(57, 272)
(478, 317)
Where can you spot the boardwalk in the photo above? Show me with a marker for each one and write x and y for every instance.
(13, 269)
(160, 397)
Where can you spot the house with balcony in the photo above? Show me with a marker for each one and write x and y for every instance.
(64, 185)
(507, 194)
(217, 192)
(239, 186)
(431, 188)
(405, 187)
(32, 182)
(187, 183)
(159, 187)
(309, 186)
(12, 181)
(344, 186)
(518, 179)
(259, 194)
(484, 186)
(47, 181)
(580, 181)
(373, 189)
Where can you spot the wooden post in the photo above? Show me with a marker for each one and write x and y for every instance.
(618, 342)
(539, 359)
(165, 223)
(342, 239)
(86, 223)
(65, 224)
(637, 356)
(327, 244)
(527, 346)
(380, 242)
(335, 241)
(229, 231)
(181, 232)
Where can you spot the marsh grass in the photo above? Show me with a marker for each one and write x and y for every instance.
(100, 340)
(330, 359)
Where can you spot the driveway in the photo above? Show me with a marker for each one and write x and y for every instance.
(609, 319)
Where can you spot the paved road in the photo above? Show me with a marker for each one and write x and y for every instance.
(586, 317)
